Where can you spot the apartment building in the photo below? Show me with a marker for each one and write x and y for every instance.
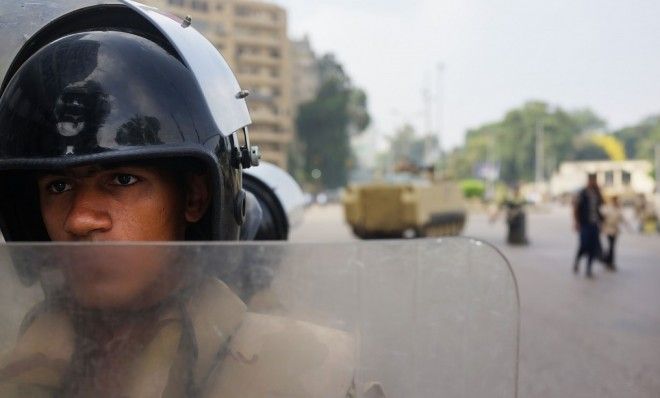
(305, 72)
(252, 36)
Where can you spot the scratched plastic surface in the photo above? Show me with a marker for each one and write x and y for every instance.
(423, 318)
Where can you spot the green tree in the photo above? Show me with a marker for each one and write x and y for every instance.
(640, 140)
(511, 142)
(406, 148)
(586, 120)
(324, 126)
(586, 149)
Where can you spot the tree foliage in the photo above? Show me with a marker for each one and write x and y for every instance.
(568, 135)
(640, 140)
(408, 151)
(325, 124)
(588, 150)
(511, 142)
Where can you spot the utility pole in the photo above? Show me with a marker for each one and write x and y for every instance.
(440, 116)
(657, 168)
(539, 153)
(428, 116)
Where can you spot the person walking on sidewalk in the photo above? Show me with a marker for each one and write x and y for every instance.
(588, 218)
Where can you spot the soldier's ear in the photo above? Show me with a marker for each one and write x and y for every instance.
(198, 196)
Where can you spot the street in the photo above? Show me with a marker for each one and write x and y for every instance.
(579, 337)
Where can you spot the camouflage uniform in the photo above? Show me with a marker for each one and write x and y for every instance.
(205, 345)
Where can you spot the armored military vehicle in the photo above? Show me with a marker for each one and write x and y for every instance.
(413, 208)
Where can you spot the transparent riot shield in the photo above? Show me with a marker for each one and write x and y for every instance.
(424, 318)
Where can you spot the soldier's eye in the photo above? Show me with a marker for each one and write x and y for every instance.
(124, 179)
(59, 186)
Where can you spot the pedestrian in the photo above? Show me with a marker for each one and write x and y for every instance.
(514, 209)
(649, 218)
(588, 218)
(640, 209)
(613, 218)
(516, 218)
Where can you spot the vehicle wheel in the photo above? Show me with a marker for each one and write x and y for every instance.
(411, 233)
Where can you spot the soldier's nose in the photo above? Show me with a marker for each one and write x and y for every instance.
(87, 215)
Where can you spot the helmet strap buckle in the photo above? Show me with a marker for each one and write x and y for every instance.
(247, 155)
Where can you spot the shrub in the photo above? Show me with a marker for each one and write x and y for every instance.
(473, 188)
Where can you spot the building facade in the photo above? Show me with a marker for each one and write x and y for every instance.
(626, 178)
(252, 37)
(306, 76)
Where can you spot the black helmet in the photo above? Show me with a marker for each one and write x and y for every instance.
(120, 83)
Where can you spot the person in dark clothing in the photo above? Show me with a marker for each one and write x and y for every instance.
(588, 218)
(516, 218)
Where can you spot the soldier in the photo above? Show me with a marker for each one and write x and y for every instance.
(110, 131)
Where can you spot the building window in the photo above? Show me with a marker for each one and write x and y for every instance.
(247, 50)
(274, 53)
(201, 26)
(248, 70)
(242, 11)
(625, 178)
(199, 5)
(220, 29)
(609, 178)
(178, 3)
(219, 7)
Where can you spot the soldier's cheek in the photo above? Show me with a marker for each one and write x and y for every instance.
(153, 215)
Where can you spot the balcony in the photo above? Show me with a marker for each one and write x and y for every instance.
(265, 136)
(259, 19)
(259, 59)
(267, 117)
(258, 79)
(259, 40)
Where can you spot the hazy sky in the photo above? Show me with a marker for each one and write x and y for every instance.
(602, 54)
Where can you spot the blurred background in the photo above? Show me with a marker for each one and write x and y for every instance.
(478, 118)
(488, 94)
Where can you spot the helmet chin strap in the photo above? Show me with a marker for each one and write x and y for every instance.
(247, 155)
(253, 216)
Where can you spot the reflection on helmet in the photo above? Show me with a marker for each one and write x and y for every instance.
(103, 84)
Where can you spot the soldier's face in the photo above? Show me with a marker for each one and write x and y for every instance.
(122, 203)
